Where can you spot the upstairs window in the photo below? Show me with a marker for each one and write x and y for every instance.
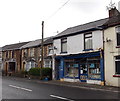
(117, 65)
(6, 54)
(12, 54)
(40, 51)
(50, 50)
(25, 53)
(118, 35)
(0, 54)
(88, 41)
(32, 52)
(64, 45)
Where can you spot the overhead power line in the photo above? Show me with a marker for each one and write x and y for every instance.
(58, 9)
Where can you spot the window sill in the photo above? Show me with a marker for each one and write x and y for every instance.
(118, 46)
(116, 75)
(63, 52)
(71, 77)
(87, 49)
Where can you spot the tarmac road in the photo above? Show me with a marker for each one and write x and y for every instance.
(21, 88)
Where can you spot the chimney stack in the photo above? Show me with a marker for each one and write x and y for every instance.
(113, 12)
(112, 9)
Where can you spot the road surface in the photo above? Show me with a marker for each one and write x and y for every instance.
(20, 88)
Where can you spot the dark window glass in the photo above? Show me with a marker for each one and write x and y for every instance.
(117, 64)
(6, 54)
(118, 39)
(12, 54)
(118, 35)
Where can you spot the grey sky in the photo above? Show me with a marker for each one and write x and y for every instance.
(20, 20)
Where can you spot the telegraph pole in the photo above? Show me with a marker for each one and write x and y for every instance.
(42, 44)
(42, 49)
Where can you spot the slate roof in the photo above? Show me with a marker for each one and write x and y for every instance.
(83, 27)
(13, 46)
(37, 42)
(112, 21)
(48, 40)
(32, 44)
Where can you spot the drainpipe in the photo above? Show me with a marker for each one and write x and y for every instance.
(53, 64)
(103, 82)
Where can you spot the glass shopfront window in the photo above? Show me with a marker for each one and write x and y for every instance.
(88, 67)
(94, 68)
(71, 69)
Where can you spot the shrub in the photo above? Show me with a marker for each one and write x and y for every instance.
(46, 72)
(34, 71)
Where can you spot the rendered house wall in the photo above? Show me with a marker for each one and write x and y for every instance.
(109, 56)
(75, 44)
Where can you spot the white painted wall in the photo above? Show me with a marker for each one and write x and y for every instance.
(57, 44)
(97, 39)
(75, 44)
(110, 52)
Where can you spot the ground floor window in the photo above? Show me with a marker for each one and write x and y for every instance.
(30, 65)
(117, 65)
(94, 68)
(71, 69)
(48, 64)
(89, 67)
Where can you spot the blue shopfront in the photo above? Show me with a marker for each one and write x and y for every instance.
(83, 67)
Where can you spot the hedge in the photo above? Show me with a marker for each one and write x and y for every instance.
(34, 71)
(46, 72)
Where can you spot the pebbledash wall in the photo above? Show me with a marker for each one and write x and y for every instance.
(76, 55)
(110, 53)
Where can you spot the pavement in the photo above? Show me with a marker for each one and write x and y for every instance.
(82, 85)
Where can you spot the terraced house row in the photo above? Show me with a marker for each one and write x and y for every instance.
(85, 53)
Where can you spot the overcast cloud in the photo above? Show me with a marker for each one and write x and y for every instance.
(20, 20)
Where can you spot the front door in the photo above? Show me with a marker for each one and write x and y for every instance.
(83, 72)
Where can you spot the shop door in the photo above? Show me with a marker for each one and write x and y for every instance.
(83, 72)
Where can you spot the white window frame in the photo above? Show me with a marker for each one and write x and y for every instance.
(63, 41)
(87, 37)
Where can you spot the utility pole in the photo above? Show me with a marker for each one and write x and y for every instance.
(42, 56)
(42, 44)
